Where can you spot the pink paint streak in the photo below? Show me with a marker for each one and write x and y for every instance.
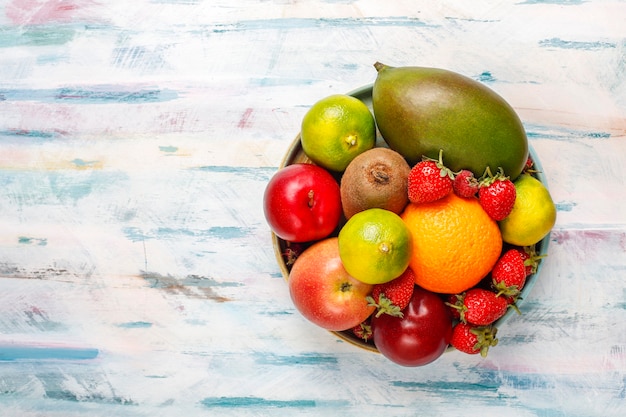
(38, 12)
(245, 121)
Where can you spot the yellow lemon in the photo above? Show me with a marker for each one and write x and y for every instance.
(375, 246)
(533, 215)
(336, 129)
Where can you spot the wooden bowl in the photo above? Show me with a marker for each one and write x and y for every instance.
(295, 154)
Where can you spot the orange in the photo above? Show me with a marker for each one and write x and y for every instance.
(455, 243)
(375, 246)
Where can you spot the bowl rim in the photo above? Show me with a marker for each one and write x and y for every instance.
(295, 149)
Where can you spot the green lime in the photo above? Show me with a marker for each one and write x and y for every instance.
(533, 215)
(336, 129)
(375, 246)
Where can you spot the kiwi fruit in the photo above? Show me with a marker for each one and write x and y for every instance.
(376, 178)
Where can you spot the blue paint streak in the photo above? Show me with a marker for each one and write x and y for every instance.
(68, 187)
(565, 206)
(312, 23)
(438, 386)
(304, 359)
(258, 173)
(279, 81)
(256, 402)
(563, 44)
(24, 240)
(486, 76)
(15, 353)
(276, 313)
(238, 402)
(157, 280)
(52, 58)
(168, 149)
(41, 135)
(135, 234)
(52, 187)
(37, 35)
(220, 232)
(81, 163)
(140, 57)
(97, 95)
(135, 325)
(228, 232)
(556, 133)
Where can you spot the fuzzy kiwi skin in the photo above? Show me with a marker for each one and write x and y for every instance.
(377, 178)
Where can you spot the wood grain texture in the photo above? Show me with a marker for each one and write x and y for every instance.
(137, 276)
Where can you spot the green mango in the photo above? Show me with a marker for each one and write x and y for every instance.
(420, 111)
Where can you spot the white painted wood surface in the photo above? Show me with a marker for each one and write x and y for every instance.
(137, 276)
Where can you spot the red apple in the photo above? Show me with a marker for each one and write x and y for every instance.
(420, 336)
(323, 291)
(302, 203)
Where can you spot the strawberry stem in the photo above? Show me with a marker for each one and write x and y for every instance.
(384, 306)
(486, 337)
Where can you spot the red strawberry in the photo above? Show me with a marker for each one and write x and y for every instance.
(480, 307)
(429, 180)
(497, 195)
(465, 184)
(363, 331)
(291, 253)
(393, 296)
(509, 273)
(531, 259)
(529, 166)
(473, 339)
(451, 301)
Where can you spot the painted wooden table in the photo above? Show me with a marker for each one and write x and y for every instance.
(137, 276)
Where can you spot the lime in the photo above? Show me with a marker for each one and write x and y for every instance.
(533, 215)
(336, 129)
(375, 246)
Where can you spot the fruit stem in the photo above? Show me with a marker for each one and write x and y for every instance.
(311, 201)
(379, 175)
(379, 66)
(384, 247)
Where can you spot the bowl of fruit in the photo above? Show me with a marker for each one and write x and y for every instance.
(411, 216)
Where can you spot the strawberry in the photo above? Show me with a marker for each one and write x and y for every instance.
(451, 302)
(531, 259)
(529, 166)
(465, 184)
(496, 195)
(429, 180)
(363, 331)
(393, 296)
(509, 273)
(480, 307)
(291, 253)
(473, 339)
